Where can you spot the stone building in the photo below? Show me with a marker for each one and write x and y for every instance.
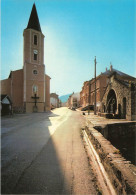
(74, 100)
(119, 98)
(64, 104)
(84, 94)
(87, 94)
(54, 100)
(29, 87)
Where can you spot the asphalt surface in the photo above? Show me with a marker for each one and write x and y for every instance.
(43, 153)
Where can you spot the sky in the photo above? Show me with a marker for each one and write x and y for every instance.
(75, 32)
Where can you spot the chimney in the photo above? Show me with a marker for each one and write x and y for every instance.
(110, 67)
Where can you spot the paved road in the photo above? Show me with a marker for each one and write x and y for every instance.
(43, 153)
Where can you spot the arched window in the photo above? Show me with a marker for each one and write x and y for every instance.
(111, 105)
(124, 107)
(119, 110)
(35, 89)
(35, 56)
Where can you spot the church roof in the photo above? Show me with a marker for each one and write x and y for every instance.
(111, 72)
(34, 20)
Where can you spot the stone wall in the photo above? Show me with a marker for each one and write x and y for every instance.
(122, 136)
(118, 130)
(121, 92)
(133, 103)
(120, 171)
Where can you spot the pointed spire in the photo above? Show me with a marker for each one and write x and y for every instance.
(34, 20)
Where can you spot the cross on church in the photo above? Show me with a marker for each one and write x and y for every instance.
(35, 98)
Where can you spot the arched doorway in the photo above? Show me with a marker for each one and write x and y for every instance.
(111, 105)
(124, 107)
(6, 105)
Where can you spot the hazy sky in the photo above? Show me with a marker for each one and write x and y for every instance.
(75, 32)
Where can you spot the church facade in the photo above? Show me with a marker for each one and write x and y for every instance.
(29, 87)
(119, 99)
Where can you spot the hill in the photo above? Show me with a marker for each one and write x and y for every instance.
(64, 98)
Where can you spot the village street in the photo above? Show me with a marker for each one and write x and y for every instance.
(43, 153)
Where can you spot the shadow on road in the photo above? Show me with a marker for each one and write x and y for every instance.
(30, 164)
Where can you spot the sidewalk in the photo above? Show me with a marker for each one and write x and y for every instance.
(120, 170)
(101, 121)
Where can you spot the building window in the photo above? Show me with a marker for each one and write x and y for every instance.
(35, 89)
(35, 39)
(35, 72)
(35, 56)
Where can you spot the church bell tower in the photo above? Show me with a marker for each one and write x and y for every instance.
(33, 65)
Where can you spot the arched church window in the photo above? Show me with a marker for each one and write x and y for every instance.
(35, 89)
(35, 39)
(35, 54)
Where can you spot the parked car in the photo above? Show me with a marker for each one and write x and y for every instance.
(73, 108)
(89, 107)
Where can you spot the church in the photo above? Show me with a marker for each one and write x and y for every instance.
(28, 90)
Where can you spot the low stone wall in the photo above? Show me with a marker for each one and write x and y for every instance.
(121, 172)
(118, 130)
(109, 115)
(122, 136)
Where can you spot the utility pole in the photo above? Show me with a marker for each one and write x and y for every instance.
(95, 84)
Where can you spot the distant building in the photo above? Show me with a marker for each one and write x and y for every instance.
(54, 100)
(87, 94)
(29, 87)
(60, 103)
(64, 104)
(84, 94)
(74, 100)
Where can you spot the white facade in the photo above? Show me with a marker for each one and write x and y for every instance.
(54, 101)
